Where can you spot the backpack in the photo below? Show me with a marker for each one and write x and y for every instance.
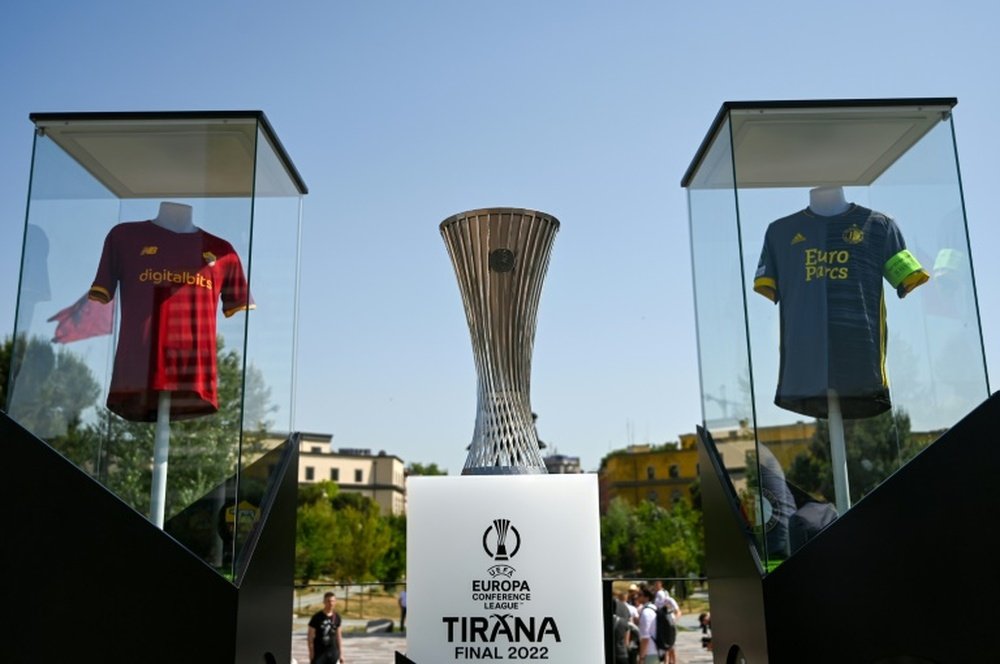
(666, 628)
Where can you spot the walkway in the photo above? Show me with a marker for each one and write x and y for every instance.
(381, 649)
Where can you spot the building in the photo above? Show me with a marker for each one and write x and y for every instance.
(378, 476)
(661, 474)
(665, 474)
(560, 464)
(736, 442)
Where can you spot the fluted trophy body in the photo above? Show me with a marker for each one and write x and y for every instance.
(500, 256)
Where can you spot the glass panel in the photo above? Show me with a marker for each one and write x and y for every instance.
(164, 333)
(902, 370)
(724, 363)
(271, 333)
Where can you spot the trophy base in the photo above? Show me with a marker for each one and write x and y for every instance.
(504, 470)
(504, 569)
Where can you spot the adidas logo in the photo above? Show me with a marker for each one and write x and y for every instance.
(799, 237)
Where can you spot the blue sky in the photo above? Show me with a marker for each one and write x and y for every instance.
(400, 114)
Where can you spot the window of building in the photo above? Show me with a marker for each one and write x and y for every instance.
(651, 497)
(310, 473)
(335, 474)
(316, 450)
(675, 472)
(359, 476)
(650, 473)
(676, 497)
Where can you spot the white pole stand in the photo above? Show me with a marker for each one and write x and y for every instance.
(161, 451)
(838, 453)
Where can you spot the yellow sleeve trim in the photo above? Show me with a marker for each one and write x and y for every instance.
(766, 287)
(235, 310)
(911, 281)
(99, 294)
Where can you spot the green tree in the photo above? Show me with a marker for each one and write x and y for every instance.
(51, 387)
(362, 537)
(204, 451)
(416, 468)
(316, 492)
(652, 541)
(875, 446)
(671, 542)
(6, 350)
(619, 537)
(391, 567)
(315, 540)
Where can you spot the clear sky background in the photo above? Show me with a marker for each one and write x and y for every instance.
(400, 114)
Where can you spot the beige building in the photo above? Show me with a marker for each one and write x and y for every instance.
(664, 474)
(378, 476)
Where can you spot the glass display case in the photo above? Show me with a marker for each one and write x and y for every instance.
(155, 331)
(837, 321)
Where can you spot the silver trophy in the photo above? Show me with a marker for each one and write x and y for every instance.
(500, 256)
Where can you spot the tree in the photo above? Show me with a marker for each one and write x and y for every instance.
(49, 389)
(204, 451)
(651, 540)
(416, 468)
(6, 350)
(619, 536)
(391, 567)
(315, 541)
(361, 538)
(316, 492)
(875, 446)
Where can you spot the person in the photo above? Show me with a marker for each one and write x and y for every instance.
(705, 622)
(620, 622)
(663, 598)
(325, 639)
(633, 643)
(632, 603)
(648, 653)
(402, 610)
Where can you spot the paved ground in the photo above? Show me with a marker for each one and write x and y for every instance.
(381, 649)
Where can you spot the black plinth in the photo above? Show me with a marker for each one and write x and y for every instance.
(909, 574)
(87, 578)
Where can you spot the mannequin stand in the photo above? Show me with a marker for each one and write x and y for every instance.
(161, 451)
(838, 453)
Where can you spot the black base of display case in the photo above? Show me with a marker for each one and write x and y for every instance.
(907, 576)
(86, 578)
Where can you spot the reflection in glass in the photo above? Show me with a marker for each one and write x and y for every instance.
(797, 465)
(94, 176)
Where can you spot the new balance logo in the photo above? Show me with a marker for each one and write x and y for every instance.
(799, 237)
(148, 251)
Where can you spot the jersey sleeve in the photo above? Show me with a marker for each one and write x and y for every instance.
(103, 288)
(765, 280)
(901, 268)
(235, 290)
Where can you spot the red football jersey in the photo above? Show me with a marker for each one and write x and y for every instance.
(170, 288)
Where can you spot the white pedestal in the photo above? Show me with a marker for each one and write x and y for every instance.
(504, 568)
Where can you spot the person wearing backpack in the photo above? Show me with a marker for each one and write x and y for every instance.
(648, 652)
(667, 614)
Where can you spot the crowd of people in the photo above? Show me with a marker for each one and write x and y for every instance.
(645, 624)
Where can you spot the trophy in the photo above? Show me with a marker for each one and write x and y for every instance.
(500, 256)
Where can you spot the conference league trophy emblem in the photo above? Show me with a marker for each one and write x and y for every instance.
(503, 561)
(500, 256)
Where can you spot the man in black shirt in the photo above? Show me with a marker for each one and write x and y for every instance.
(324, 633)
